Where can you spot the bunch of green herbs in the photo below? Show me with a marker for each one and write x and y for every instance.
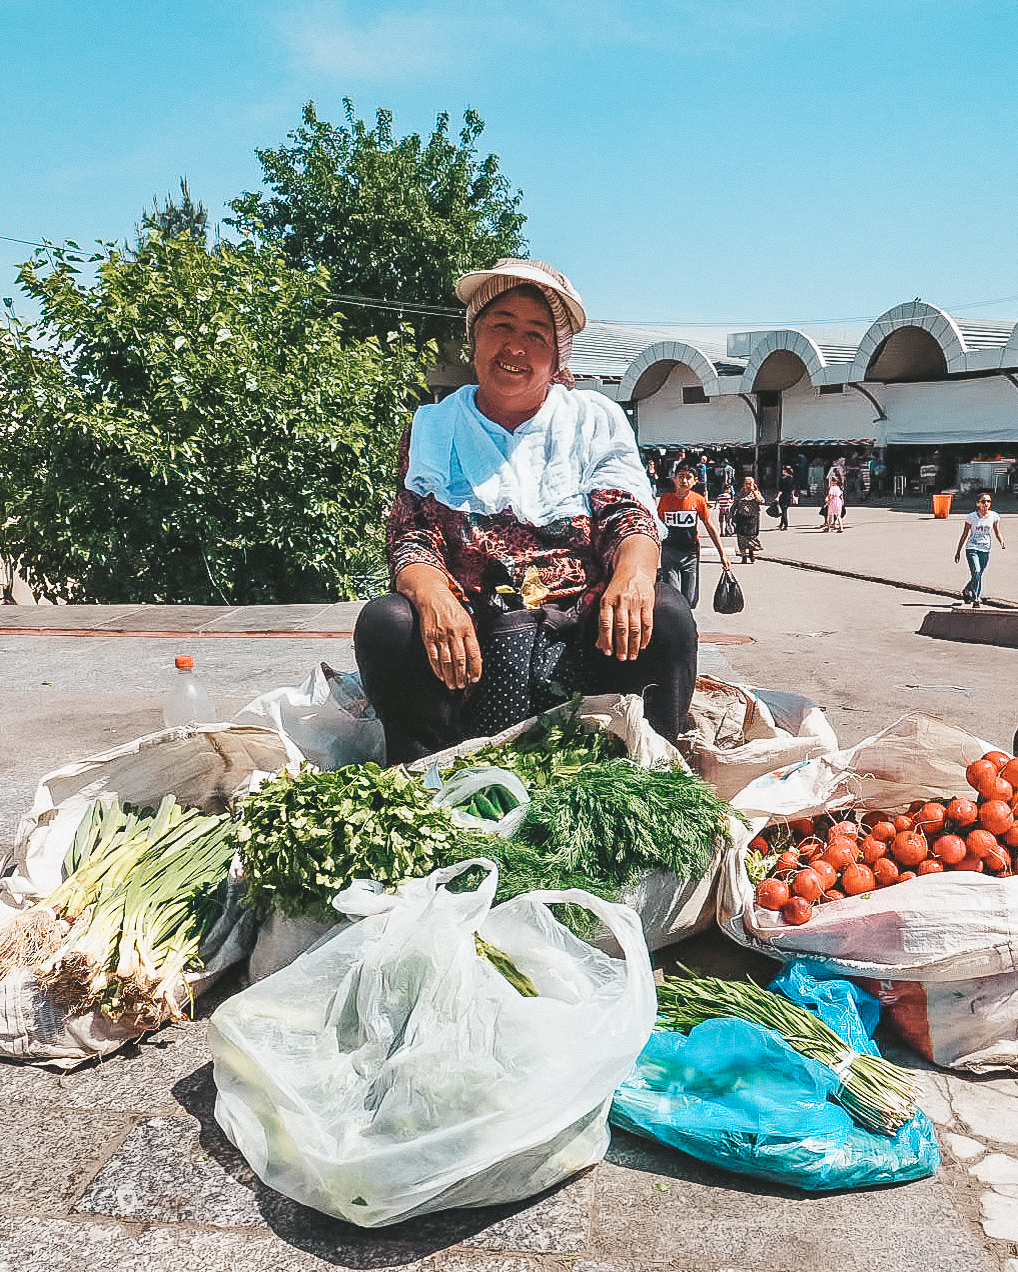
(554, 748)
(303, 839)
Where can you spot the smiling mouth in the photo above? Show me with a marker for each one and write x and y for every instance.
(512, 368)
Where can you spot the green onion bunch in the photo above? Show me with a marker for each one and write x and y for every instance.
(881, 1096)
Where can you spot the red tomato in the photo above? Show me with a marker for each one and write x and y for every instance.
(901, 822)
(978, 771)
(807, 884)
(997, 758)
(970, 863)
(1011, 836)
(931, 818)
(906, 875)
(809, 850)
(759, 844)
(797, 911)
(801, 826)
(825, 872)
(885, 872)
(950, 849)
(872, 817)
(931, 866)
(785, 864)
(771, 894)
(1010, 772)
(979, 842)
(997, 860)
(886, 831)
(872, 849)
(962, 812)
(843, 828)
(915, 806)
(857, 879)
(832, 894)
(996, 817)
(840, 855)
(996, 788)
(909, 848)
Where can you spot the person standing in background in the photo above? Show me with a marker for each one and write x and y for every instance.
(746, 519)
(979, 528)
(834, 505)
(723, 507)
(680, 553)
(786, 495)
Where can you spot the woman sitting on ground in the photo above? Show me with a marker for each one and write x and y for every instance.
(516, 495)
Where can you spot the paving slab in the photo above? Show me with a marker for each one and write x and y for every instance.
(268, 618)
(63, 616)
(48, 1155)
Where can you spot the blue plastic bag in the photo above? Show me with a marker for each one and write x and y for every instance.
(738, 1096)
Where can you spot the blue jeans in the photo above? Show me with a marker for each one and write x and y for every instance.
(682, 570)
(978, 561)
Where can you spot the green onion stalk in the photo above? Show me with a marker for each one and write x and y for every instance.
(879, 1095)
(138, 906)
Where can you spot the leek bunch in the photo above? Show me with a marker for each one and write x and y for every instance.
(881, 1096)
(128, 921)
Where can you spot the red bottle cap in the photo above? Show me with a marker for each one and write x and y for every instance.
(183, 662)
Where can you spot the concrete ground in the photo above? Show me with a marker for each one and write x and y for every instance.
(121, 1164)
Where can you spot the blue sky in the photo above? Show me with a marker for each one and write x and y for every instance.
(745, 162)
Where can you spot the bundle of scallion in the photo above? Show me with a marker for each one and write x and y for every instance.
(128, 922)
(881, 1096)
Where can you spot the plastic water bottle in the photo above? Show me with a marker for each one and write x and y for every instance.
(188, 702)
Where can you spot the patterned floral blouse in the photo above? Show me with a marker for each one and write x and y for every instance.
(477, 553)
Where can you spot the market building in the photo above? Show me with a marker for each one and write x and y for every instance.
(933, 397)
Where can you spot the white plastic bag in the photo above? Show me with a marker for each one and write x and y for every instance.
(741, 733)
(939, 951)
(205, 766)
(322, 718)
(392, 1071)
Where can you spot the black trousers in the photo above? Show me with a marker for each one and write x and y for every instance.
(420, 715)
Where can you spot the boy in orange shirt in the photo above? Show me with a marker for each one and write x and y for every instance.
(680, 553)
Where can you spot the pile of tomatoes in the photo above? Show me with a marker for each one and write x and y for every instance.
(833, 856)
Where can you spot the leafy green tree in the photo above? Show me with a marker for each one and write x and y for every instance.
(192, 427)
(391, 218)
(174, 218)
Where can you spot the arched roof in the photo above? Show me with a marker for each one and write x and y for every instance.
(783, 341)
(918, 314)
(650, 370)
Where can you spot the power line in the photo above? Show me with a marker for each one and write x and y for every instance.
(438, 311)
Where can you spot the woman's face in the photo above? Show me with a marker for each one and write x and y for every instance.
(515, 354)
(747, 484)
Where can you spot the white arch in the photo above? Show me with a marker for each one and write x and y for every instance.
(670, 352)
(786, 340)
(915, 313)
(1009, 354)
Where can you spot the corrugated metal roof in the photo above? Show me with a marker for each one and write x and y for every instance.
(988, 334)
(608, 348)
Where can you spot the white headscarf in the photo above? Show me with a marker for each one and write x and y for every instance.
(544, 470)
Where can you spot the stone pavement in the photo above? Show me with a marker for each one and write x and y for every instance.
(903, 542)
(121, 1164)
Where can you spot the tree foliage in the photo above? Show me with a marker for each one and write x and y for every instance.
(174, 217)
(193, 427)
(390, 217)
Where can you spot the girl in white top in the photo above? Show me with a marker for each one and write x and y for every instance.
(978, 528)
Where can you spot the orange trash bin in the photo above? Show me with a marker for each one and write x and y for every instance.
(942, 505)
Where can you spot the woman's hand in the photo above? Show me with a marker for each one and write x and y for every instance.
(626, 619)
(446, 628)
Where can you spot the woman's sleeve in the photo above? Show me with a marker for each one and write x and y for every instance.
(614, 515)
(414, 533)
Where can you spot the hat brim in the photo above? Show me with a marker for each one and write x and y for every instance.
(468, 284)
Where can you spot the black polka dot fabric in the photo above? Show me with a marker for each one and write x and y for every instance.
(529, 666)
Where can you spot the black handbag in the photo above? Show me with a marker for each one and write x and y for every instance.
(728, 598)
(530, 663)
(774, 509)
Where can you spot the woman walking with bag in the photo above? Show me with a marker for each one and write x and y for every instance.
(746, 519)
